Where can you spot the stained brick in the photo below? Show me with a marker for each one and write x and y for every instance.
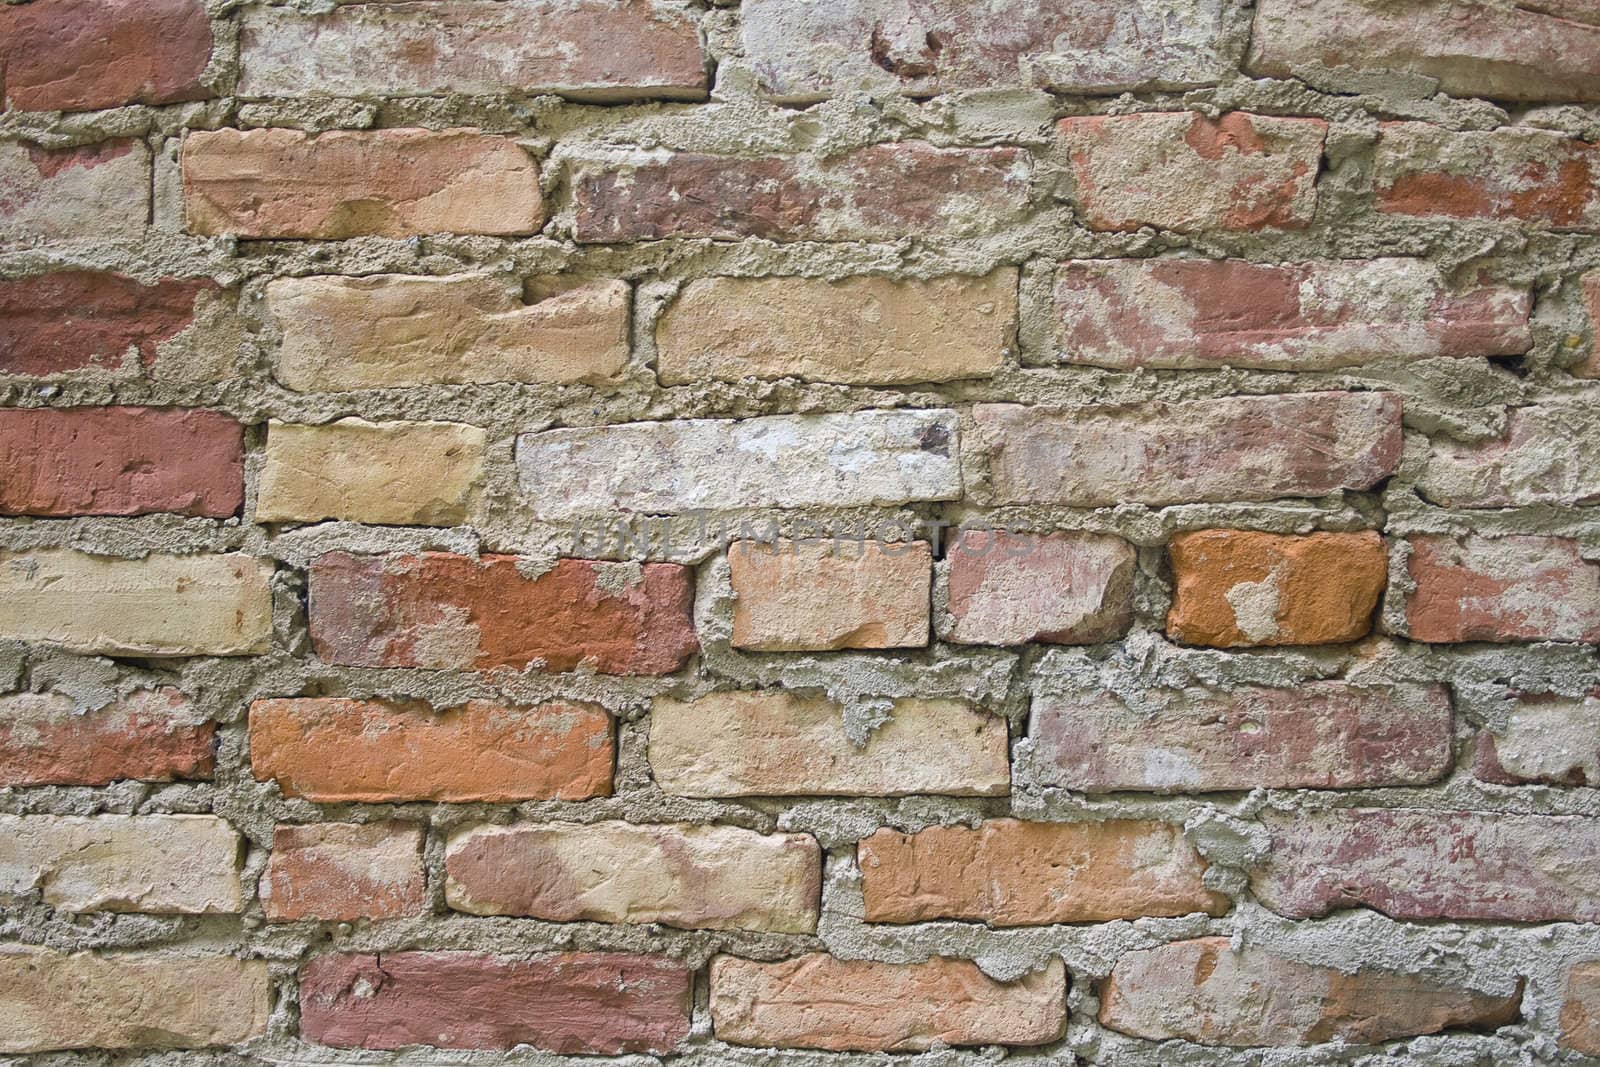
(340, 872)
(75, 319)
(153, 735)
(1549, 454)
(1520, 588)
(1012, 589)
(1580, 1010)
(1543, 738)
(98, 191)
(795, 596)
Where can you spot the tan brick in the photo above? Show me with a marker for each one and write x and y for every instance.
(53, 1001)
(162, 864)
(795, 596)
(158, 606)
(784, 744)
(1580, 1011)
(1011, 873)
(1013, 589)
(394, 473)
(859, 331)
(695, 877)
(340, 872)
(818, 1002)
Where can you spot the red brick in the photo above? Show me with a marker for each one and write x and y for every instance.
(1413, 864)
(881, 192)
(447, 612)
(1515, 174)
(153, 735)
(1316, 735)
(1547, 455)
(1183, 313)
(1542, 738)
(340, 872)
(1185, 172)
(53, 323)
(578, 1002)
(336, 750)
(1474, 48)
(1580, 1010)
(1502, 589)
(1062, 588)
(97, 191)
(121, 461)
(81, 55)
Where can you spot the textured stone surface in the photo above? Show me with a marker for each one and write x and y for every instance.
(99, 191)
(1127, 313)
(1580, 1010)
(880, 192)
(793, 596)
(1543, 738)
(51, 1000)
(1549, 454)
(1514, 174)
(1518, 588)
(696, 877)
(346, 183)
(1589, 298)
(153, 735)
(818, 1002)
(333, 749)
(787, 461)
(162, 864)
(75, 319)
(66, 55)
(1203, 991)
(1237, 448)
(340, 872)
(446, 612)
(1013, 589)
(396, 330)
(218, 605)
(1415, 864)
(1183, 171)
(397, 473)
(589, 50)
(1238, 588)
(1506, 51)
(783, 744)
(121, 461)
(864, 330)
(593, 1003)
(1012, 873)
(1316, 735)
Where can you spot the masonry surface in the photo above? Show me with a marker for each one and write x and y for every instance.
(801, 533)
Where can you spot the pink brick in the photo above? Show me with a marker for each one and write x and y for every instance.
(1519, 588)
(340, 872)
(1063, 588)
(74, 319)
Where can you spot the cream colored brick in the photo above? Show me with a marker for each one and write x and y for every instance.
(796, 596)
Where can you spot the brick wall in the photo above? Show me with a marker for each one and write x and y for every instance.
(794, 531)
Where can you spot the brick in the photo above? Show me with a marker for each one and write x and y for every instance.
(858, 331)
(61, 55)
(880, 192)
(54, 1001)
(335, 750)
(159, 864)
(1061, 589)
(77, 319)
(98, 191)
(1201, 313)
(1417, 865)
(1315, 735)
(218, 605)
(1185, 172)
(351, 183)
(1514, 174)
(1543, 738)
(1189, 452)
(1240, 588)
(1580, 1009)
(1520, 588)
(341, 872)
(152, 735)
(1012, 873)
(1523, 52)
(577, 1002)
(392, 330)
(442, 611)
(804, 52)
(121, 461)
(597, 50)
(778, 461)
(1548, 454)
(694, 877)
(784, 744)
(794, 596)
(1589, 298)
(396, 473)
(818, 1002)
(1202, 991)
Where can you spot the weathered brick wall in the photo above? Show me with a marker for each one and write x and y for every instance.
(398, 399)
